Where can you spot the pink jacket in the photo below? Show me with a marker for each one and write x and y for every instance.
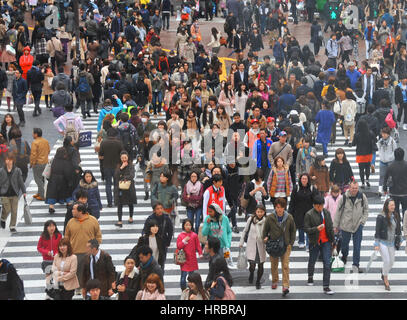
(146, 295)
(331, 204)
(190, 249)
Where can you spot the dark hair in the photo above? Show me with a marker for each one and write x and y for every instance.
(45, 233)
(127, 258)
(82, 193)
(151, 223)
(318, 199)
(144, 250)
(94, 244)
(195, 278)
(38, 132)
(185, 221)
(157, 204)
(399, 154)
(220, 268)
(300, 177)
(217, 177)
(214, 244)
(259, 174)
(338, 151)
(282, 202)
(80, 207)
(93, 284)
(386, 211)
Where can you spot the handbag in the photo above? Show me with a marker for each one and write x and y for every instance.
(276, 248)
(10, 50)
(179, 257)
(124, 185)
(59, 55)
(242, 260)
(47, 170)
(228, 293)
(27, 213)
(337, 264)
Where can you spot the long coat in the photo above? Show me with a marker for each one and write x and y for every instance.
(300, 203)
(190, 249)
(254, 238)
(325, 119)
(60, 184)
(94, 201)
(125, 196)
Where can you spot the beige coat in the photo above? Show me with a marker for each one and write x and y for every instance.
(69, 279)
(254, 239)
(53, 45)
(46, 88)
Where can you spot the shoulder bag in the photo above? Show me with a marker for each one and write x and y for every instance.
(276, 248)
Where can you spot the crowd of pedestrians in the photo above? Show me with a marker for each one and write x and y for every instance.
(242, 143)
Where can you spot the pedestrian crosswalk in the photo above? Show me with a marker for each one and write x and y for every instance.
(21, 248)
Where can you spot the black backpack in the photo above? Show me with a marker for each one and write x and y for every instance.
(127, 138)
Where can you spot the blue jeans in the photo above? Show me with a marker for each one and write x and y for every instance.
(357, 241)
(262, 23)
(373, 159)
(157, 101)
(326, 256)
(383, 169)
(194, 214)
(109, 177)
(325, 148)
(183, 282)
(302, 237)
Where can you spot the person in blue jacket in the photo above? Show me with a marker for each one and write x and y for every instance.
(260, 151)
(108, 108)
(89, 183)
(325, 119)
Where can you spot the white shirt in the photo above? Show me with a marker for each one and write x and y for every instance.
(97, 256)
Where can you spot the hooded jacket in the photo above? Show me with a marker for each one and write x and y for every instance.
(61, 98)
(26, 61)
(220, 230)
(109, 109)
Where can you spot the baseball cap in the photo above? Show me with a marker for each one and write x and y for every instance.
(271, 119)
(255, 120)
(282, 134)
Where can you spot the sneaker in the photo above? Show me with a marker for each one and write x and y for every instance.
(328, 291)
(301, 245)
(3, 224)
(405, 127)
(285, 291)
(274, 286)
(258, 285)
(13, 230)
(235, 229)
(109, 205)
(368, 183)
(346, 143)
(363, 185)
(310, 281)
(356, 269)
(120, 225)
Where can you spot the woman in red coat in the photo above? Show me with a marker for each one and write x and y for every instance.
(26, 61)
(48, 244)
(189, 242)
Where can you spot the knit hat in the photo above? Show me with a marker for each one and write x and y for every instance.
(216, 208)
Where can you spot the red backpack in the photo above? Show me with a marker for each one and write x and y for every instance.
(389, 120)
(229, 294)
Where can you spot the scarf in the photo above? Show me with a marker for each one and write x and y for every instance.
(145, 266)
(191, 123)
(88, 186)
(193, 189)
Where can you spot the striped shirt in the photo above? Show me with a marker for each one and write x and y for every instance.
(281, 183)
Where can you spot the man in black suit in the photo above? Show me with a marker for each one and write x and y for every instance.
(241, 75)
(117, 25)
(239, 41)
(34, 81)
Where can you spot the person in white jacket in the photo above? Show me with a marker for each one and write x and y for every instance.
(215, 41)
(386, 146)
(349, 113)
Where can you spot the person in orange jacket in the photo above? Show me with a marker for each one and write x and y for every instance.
(26, 61)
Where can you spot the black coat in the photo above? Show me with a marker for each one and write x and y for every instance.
(34, 79)
(256, 42)
(233, 185)
(301, 201)
(251, 208)
(61, 182)
(131, 288)
(239, 43)
(382, 226)
(165, 227)
(364, 146)
(144, 241)
(3, 80)
(237, 78)
(127, 197)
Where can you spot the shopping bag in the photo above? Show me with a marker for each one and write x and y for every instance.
(337, 265)
(242, 260)
(27, 214)
(373, 257)
(47, 170)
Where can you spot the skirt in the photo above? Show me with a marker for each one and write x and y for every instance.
(364, 158)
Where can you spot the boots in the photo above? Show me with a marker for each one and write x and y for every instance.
(260, 272)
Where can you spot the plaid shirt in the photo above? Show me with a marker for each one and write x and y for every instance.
(41, 46)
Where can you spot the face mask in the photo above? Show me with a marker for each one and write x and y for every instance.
(209, 109)
(144, 120)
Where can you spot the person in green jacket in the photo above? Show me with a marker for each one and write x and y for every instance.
(217, 225)
(280, 223)
(165, 193)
